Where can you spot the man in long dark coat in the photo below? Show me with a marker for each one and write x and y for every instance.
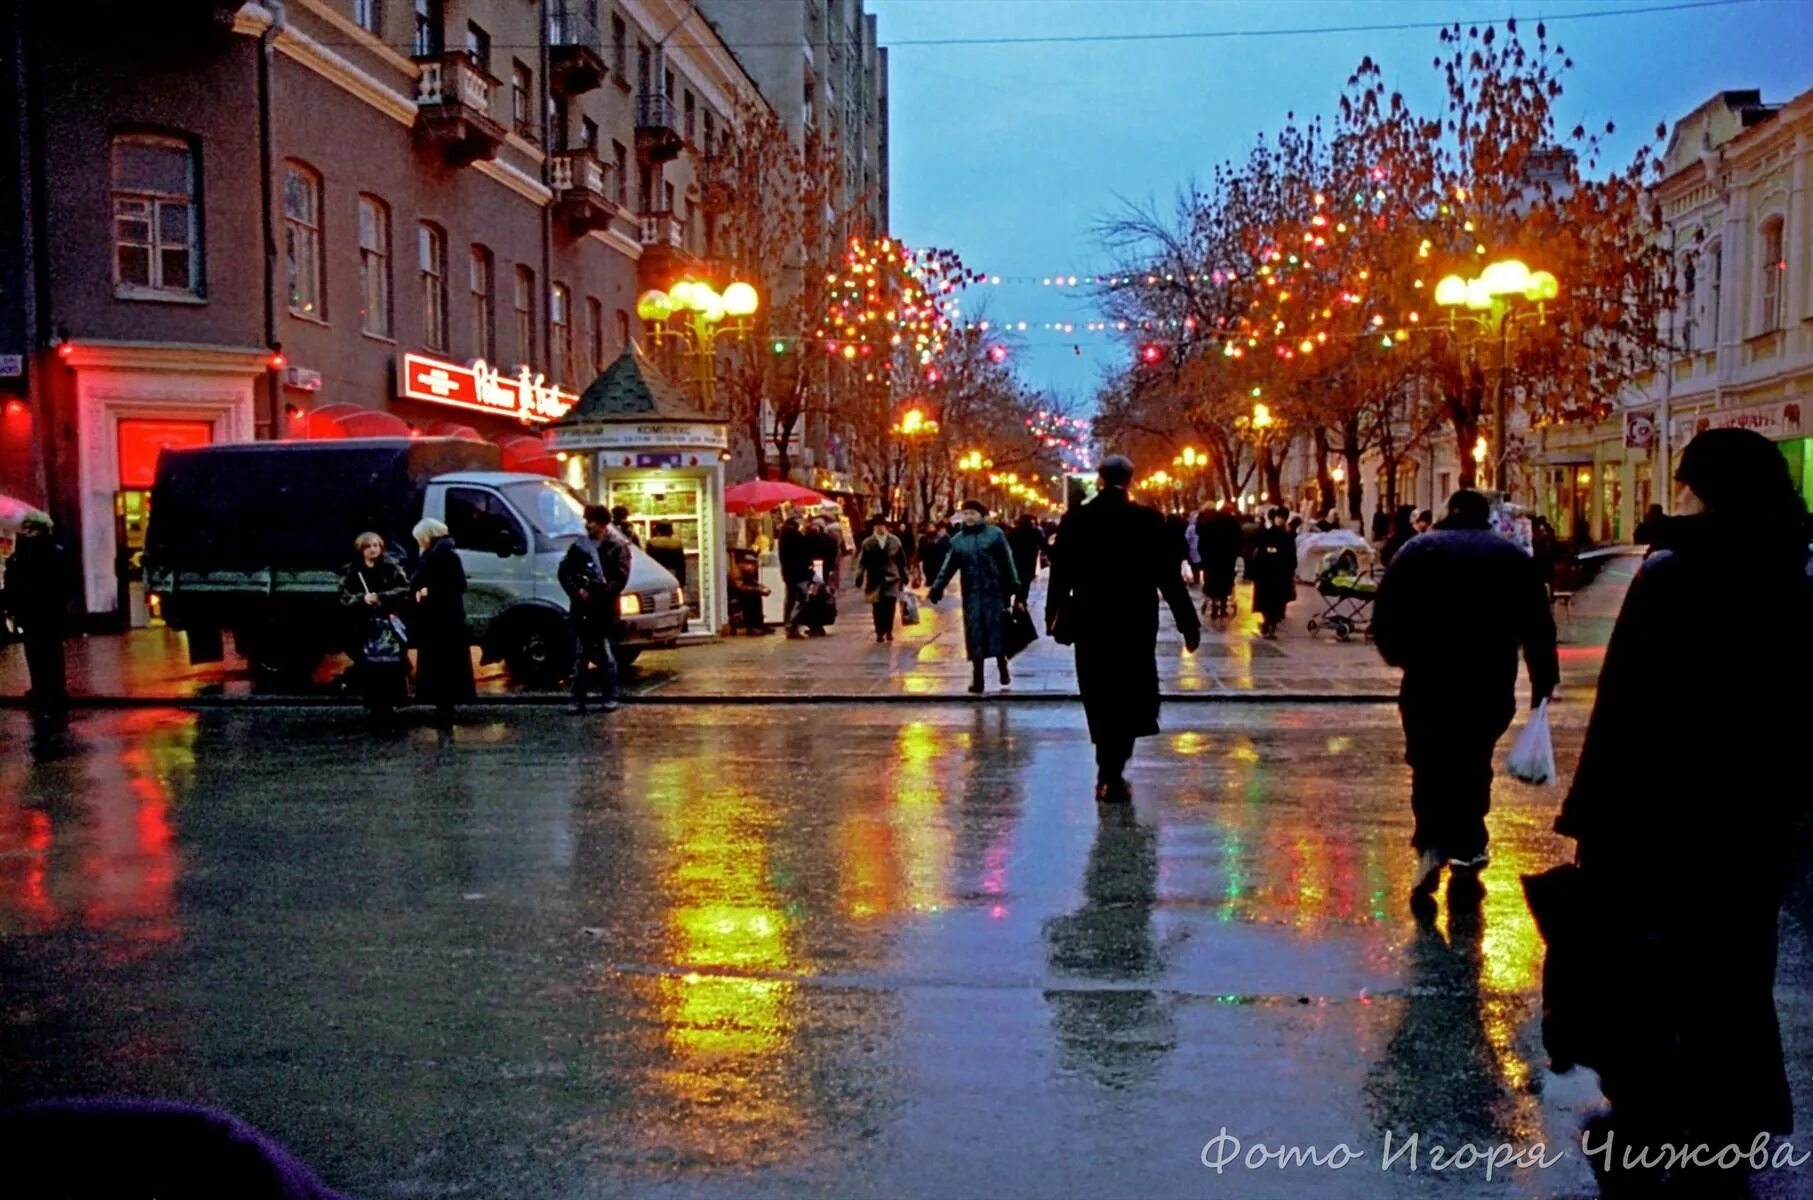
(1110, 557)
(1219, 540)
(593, 574)
(1452, 611)
(36, 595)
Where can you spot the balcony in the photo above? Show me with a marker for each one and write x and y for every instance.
(657, 128)
(453, 108)
(584, 190)
(664, 253)
(575, 47)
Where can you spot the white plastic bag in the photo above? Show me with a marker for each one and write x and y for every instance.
(1533, 754)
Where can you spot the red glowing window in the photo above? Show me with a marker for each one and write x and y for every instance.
(142, 440)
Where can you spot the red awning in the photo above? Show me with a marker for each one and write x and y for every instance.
(349, 420)
(452, 429)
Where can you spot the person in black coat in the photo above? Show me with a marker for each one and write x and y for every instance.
(373, 594)
(1220, 541)
(1274, 572)
(1403, 528)
(796, 573)
(1453, 609)
(824, 550)
(934, 544)
(1110, 558)
(443, 675)
(37, 596)
(1686, 845)
(593, 573)
(1027, 541)
(1381, 522)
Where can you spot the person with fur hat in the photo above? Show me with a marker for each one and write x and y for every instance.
(980, 554)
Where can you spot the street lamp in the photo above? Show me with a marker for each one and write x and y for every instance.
(709, 310)
(1488, 300)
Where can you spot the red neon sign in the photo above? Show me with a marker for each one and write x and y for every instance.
(482, 388)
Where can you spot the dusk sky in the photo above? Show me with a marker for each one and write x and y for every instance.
(1010, 154)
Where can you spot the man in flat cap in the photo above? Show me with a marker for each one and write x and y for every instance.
(1112, 557)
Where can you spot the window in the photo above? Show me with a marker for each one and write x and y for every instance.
(156, 234)
(302, 240)
(667, 198)
(643, 68)
(431, 259)
(1688, 299)
(620, 156)
(1774, 266)
(427, 38)
(594, 334)
(691, 108)
(484, 313)
(1716, 253)
(480, 520)
(370, 15)
(478, 46)
(560, 332)
(559, 119)
(623, 330)
(374, 266)
(522, 87)
(619, 51)
(645, 188)
(711, 132)
(588, 134)
(667, 89)
(525, 316)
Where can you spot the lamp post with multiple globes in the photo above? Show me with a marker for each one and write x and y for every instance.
(1490, 301)
(709, 311)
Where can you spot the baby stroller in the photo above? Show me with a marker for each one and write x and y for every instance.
(1347, 595)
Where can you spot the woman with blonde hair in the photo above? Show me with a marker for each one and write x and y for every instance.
(373, 591)
(443, 651)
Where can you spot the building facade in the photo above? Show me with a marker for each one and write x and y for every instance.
(325, 217)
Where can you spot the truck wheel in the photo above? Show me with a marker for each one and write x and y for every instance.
(276, 656)
(627, 655)
(540, 651)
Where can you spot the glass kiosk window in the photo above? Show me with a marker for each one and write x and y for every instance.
(676, 502)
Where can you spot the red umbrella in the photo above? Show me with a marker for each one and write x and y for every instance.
(760, 495)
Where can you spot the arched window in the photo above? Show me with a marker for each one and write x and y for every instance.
(156, 225)
(302, 240)
(431, 262)
(374, 266)
(1774, 265)
(1689, 300)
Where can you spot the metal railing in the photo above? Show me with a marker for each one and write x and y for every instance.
(575, 23)
(655, 110)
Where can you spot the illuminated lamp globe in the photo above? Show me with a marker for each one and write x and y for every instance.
(1507, 278)
(684, 295)
(1543, 286)
(654, 305)
(1479, 296)
(740, 300)
(1451, 291)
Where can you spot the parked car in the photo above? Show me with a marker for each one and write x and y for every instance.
(250, 540)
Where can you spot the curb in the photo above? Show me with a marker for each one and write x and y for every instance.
(739, 700)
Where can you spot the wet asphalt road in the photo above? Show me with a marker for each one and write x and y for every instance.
(706, 952)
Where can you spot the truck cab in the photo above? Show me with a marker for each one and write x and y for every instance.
(512, 531)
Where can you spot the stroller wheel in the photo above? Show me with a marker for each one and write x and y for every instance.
(1343, 632)
(1312, 626)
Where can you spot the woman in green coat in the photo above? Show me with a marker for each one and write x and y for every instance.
(979, 552)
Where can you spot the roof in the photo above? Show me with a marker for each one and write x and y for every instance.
(631, 389)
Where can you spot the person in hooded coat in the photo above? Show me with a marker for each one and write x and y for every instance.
(1112, 558)
(979, 552)
(443, 674)
(1686, 844)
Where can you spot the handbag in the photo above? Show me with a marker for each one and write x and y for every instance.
(909, 609)
(820, 607)
(1580, 993)
(385, 641)
(1020, 632)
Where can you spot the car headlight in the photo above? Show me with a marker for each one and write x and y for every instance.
(680, 597)
(629, 606)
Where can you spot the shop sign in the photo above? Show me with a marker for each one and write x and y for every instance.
(660, 460)
(1778, 421)
(1639, 431)
(482, 388)
(12, 366)
(612, 435)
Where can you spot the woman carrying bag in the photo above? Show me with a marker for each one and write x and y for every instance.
(979, 552)
(881, 572)
(443, 651)
(373, 591)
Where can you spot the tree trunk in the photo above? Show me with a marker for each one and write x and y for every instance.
(1325, 482)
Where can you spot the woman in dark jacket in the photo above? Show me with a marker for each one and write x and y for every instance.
(1274, 572)
(443, 675)
(1684, 845)
(980, 554)
(373, 591)
(1403, 528)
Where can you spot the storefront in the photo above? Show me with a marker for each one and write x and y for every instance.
(130, 402)
(1781, 422)
(633, 440)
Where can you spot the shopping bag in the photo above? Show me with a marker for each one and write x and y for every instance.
(909, 609)
(819, 608)
(1533, 754)
(1020, 632)
(384, 643)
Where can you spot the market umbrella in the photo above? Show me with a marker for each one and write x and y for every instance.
(13, 511)
(760, 495)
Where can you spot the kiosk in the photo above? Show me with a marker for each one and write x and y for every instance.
(634, 440)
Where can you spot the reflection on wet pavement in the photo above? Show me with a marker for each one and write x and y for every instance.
(733, 952)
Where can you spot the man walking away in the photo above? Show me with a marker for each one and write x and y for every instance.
(36, 591)
(1027, 542)
(593, 574)
(824, 549)
(934, 544)
(1110, 557)
(796, 573)
(667, 549)
(620, 517)
(1452, 611)
(1221, 541)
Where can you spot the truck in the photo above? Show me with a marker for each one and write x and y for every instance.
(250, 540)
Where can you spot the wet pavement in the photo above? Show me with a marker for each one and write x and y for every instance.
(730, 952)
(926, 661)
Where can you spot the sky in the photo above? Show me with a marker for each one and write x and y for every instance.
(1012, 154)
